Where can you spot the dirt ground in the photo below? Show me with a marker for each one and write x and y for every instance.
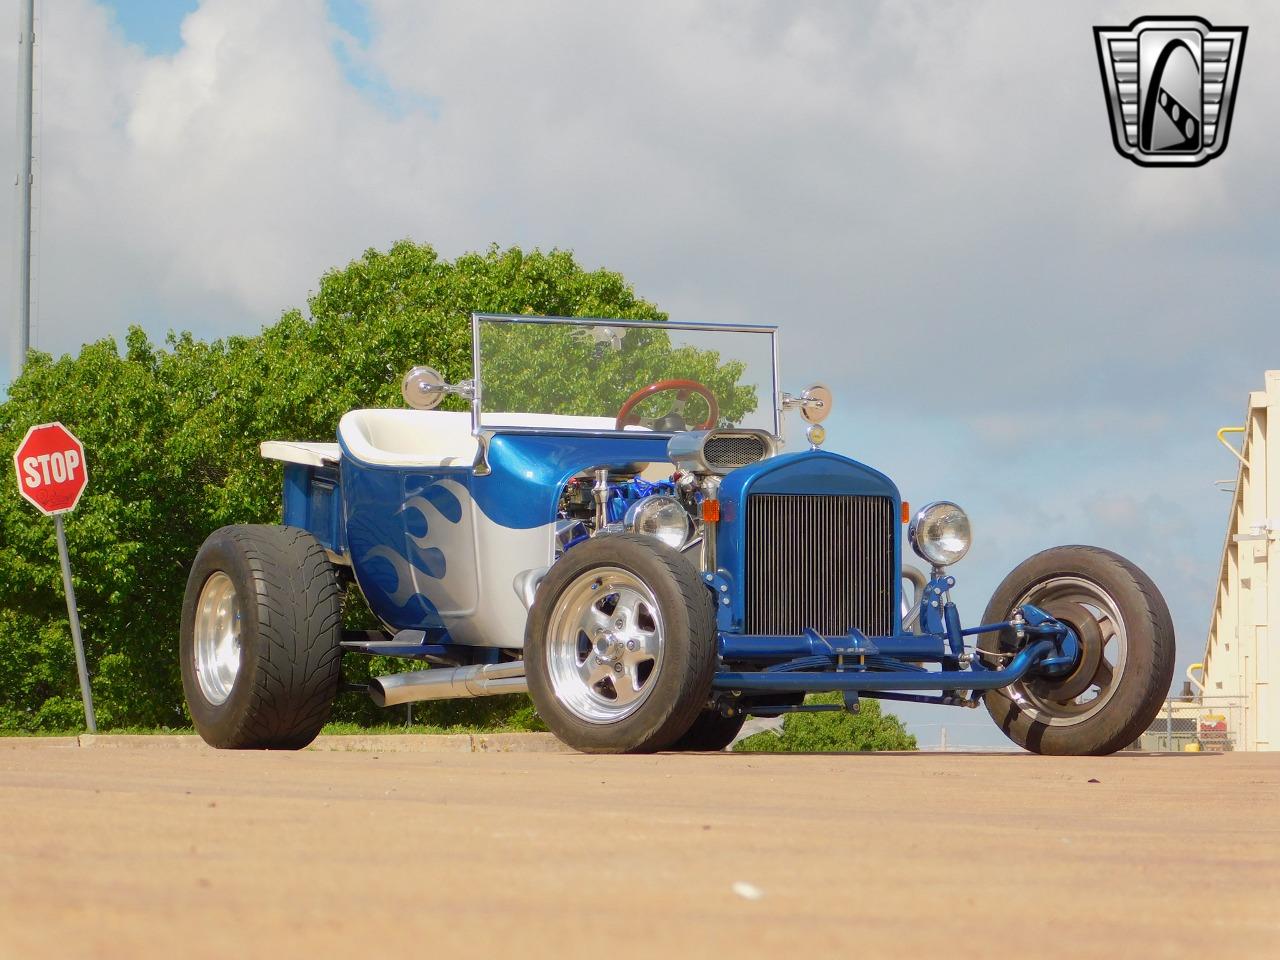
(152, 852)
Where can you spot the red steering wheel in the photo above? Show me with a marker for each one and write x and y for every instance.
(683, 390)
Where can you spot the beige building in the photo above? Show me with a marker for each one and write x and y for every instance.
(1240, 674)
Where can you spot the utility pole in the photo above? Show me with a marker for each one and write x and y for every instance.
(26, 62)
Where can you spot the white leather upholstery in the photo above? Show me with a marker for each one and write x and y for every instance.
(408, 438)
(439, 438)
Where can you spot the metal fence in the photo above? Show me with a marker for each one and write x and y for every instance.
(1209, 724)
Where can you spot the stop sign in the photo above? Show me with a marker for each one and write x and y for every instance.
(51, 468)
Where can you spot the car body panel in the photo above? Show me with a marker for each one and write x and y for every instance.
(526, 470)
(438, 548)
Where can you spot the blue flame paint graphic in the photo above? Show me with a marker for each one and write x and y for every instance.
(424, 507)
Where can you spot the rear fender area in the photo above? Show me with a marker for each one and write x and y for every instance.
(312, 492)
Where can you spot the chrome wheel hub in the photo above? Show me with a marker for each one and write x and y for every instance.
(217, 638)
(1094, 617)
(604, 645)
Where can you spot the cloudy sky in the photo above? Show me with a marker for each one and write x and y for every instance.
(923, 195)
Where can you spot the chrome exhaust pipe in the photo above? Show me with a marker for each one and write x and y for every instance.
(456, 683)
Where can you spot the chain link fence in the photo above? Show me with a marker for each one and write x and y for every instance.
(1210, 724)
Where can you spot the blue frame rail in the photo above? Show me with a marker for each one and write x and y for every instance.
(865, 681)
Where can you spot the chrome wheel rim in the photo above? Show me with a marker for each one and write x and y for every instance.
(217, 638)
(605, 643)
(1095, 616)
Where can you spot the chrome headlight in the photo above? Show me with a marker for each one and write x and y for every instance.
(940, 533)
(662, 517)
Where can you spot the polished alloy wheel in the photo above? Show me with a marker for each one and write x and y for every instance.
(604, 644)
(217, 638)
(1094, 616)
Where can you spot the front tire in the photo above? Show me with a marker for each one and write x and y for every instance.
(620, 646)
(1126, 660)
(261, 634)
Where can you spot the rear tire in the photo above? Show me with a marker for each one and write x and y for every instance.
(1126, 663)
(620, 646)
(261, 634)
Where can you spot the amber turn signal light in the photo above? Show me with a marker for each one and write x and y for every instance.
(906, 512)
(711, 511)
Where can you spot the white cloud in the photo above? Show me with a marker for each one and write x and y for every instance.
(887, 169)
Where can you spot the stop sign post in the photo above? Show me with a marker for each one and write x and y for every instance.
(52, 474)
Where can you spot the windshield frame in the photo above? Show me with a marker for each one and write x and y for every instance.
(477, 388)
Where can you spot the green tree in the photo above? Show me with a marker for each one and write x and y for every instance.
(172, 439)
(867, 728)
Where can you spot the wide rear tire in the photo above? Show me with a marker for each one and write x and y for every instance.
(1126, 663)
(620, 646)
(261, 634)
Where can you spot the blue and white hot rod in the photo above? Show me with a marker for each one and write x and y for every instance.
(614, 527)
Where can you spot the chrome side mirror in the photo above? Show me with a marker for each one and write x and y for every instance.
(814, 403)
(424, 388)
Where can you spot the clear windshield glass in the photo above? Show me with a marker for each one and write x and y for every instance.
(605, 375)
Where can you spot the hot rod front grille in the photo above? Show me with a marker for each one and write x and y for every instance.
(824, 562)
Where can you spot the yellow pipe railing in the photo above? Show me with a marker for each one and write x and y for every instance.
(1198, 684)
(1223, 440)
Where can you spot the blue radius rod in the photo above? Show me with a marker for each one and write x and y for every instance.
(870, 681)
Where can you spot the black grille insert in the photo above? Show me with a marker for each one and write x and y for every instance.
(824, 562)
